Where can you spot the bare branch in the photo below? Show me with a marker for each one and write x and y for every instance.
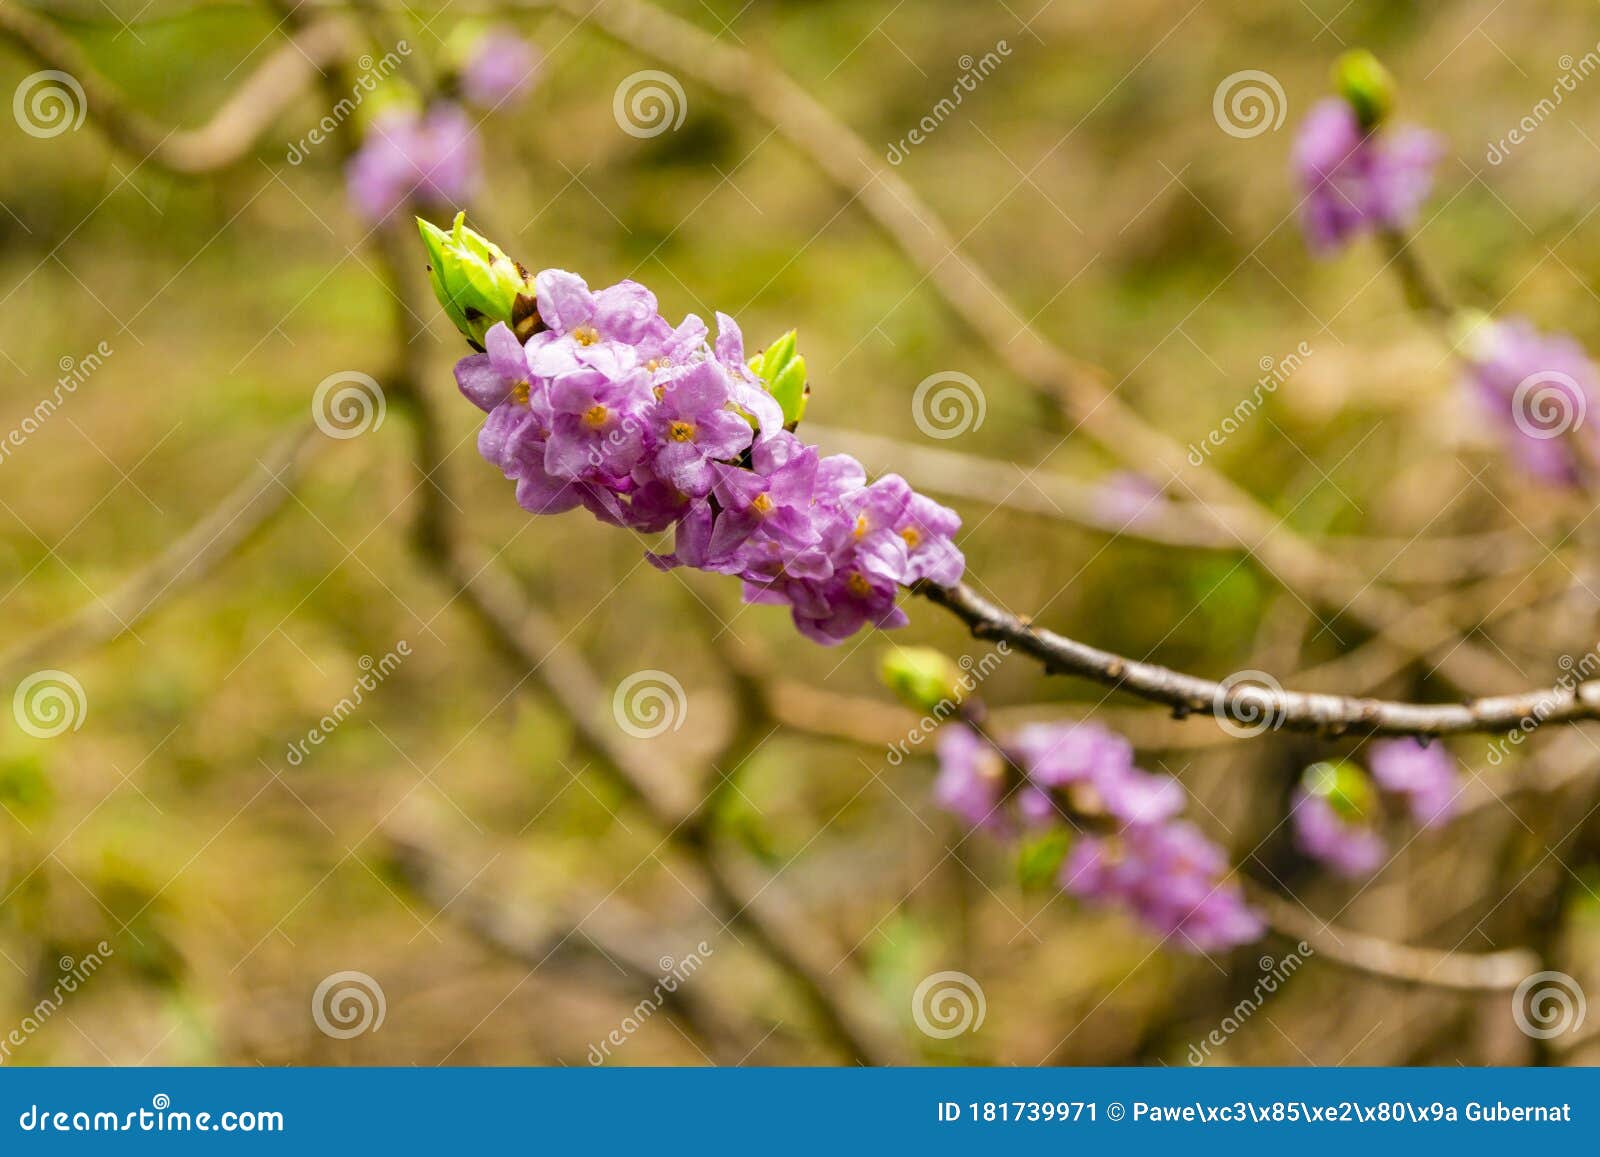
(1387, 960)
(232, 523)
(223, 140)
(604, 932)
(1263, 707)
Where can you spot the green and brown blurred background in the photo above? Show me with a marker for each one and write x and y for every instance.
(1089, 179)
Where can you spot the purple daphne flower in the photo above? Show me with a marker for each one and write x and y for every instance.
(889, 509)
(772, 500)
(1095, 767)
(691, 427)
(832, 610)
(1426, 777)
(1349, 847)
(1171, 878)
(1357, 181)
(598, 434)
(500, 68)
(432, 159)
(615, 319)
(972, 778)
(1537, 387)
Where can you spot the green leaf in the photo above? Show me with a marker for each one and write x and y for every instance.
(1039, 860)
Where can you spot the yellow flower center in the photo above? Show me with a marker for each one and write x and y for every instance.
(912, 537)
(861, 526)
(683, 432)
(595, 417)
(858, 584)
(762, 504)
(519, 393)
(586, 335)
(655, 364)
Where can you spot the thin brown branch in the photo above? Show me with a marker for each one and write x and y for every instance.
(1256, 705)
(605, 932)
(1387, 960)
(233, 129)
(223, 531)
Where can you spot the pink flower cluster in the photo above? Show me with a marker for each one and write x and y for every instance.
(648, 425)
(1132, 849)
(1422, 779)
(1359, 180)
(432, 158)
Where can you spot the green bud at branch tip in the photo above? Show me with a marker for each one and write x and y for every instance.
(923, 679)
(476, 284)
(784, 372)
(1366, 85)
(1346, 788)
